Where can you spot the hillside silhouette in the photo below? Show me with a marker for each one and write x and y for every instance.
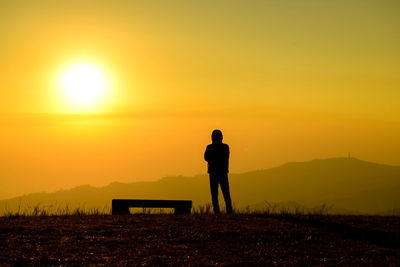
(344, 185)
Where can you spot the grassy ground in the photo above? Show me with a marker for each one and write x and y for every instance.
(202, 239)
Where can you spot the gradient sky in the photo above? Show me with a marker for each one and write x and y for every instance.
(285, 80)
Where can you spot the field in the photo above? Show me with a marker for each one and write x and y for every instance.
(200, 239)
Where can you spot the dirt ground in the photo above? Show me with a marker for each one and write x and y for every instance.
(177, 240)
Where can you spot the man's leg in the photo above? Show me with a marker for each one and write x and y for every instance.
(225, 191)
(214, 192)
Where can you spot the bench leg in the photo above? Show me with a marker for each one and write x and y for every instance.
(119, 209)
(183, 210)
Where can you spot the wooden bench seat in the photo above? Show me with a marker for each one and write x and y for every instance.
(121, 206)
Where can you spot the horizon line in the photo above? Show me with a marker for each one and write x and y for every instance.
(192, 176)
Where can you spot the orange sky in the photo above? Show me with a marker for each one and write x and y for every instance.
(284, 81)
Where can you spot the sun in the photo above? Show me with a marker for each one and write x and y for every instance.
(83, 85)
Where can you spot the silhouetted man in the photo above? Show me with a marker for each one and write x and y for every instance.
(217, 156)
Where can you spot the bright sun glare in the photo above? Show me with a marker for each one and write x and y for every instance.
(83, 85)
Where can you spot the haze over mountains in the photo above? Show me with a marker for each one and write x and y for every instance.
(344, 185)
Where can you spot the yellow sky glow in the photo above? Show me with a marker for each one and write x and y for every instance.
(93, 92)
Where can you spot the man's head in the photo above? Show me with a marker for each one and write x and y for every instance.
(216, 136)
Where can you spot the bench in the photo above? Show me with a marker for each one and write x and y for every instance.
(121, 206)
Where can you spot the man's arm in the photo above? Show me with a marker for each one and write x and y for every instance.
(206, 154)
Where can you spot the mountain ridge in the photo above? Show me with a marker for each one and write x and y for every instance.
(346, 183)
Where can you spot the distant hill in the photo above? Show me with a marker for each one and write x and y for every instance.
(345, 185)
